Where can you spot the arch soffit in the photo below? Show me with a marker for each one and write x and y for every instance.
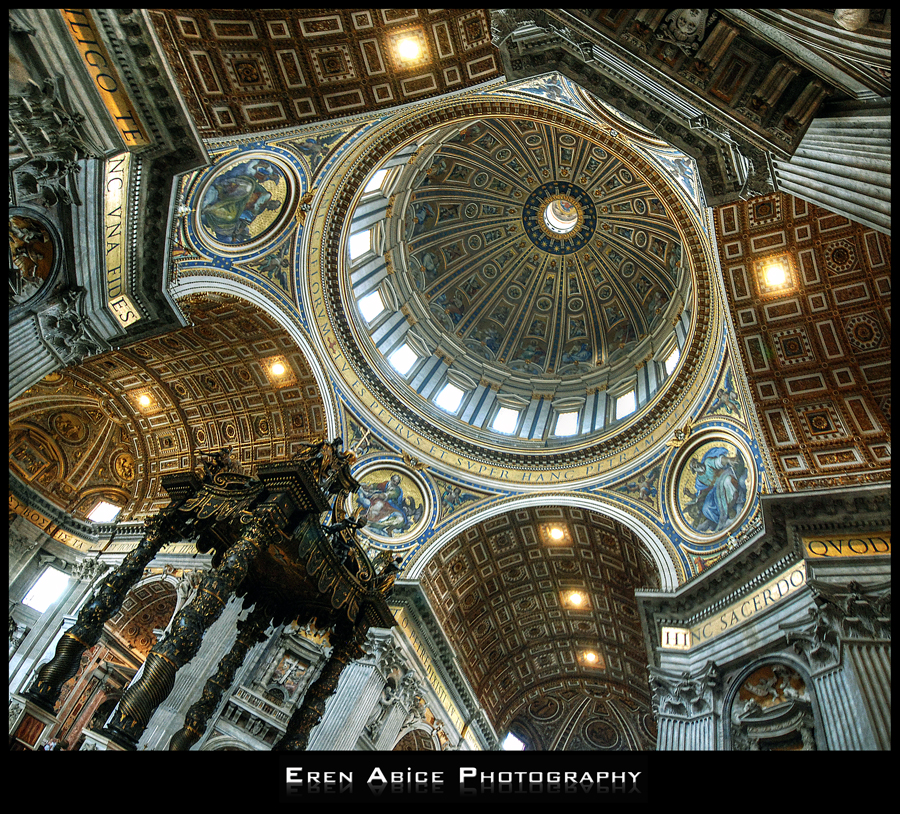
(201, 283)
(225, 742)
(658, 547)
(428, 731)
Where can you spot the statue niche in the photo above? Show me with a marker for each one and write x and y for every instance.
(772, 711)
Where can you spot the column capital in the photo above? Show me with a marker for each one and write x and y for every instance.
(685, 694)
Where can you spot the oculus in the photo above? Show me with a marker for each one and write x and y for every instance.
(559, 217)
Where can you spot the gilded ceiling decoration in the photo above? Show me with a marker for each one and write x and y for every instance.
(147, 607)
(565, 302)
(815, 342)
(542, 599)
(108, 428)
(536, 253)
(586, 716)
(537, 319)
(249, 70)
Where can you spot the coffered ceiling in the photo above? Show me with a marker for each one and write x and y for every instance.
(109, 428)
(539, 604)
(250, 70)
(816, 346)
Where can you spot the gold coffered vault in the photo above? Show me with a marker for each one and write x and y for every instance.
(479, 372)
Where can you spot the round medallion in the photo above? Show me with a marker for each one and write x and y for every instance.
(601, 734)
(69, 427)
(394, 502)
(124, 466)
(559, 218)
(246, 201)
(713, 487)
(33, 258)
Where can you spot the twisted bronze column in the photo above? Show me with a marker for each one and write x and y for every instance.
(163, 528)
(309, 713)
(251, 631)
(141, 699)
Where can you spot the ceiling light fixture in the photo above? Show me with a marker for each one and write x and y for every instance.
(575, 598)
(590, 657)
(408, 49)
(277, 369)
(556, 533)
(775, 275)
(144, 400)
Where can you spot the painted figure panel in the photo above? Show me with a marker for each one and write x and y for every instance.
(712, 487)
(392, 503)
(244, 201)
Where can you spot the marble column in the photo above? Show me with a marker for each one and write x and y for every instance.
(403, 708)
(302, 727)
(846, 643)
(686, 734)
(106, 601)
(843, 163)
(358, 695)
(870, 666)
(251, 631)
(685, 705)
(141, 699)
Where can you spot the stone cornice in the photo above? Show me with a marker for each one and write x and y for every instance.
(775, 548)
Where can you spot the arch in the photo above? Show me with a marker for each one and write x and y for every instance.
(526, 608)
(225, 743)
(155, 598)
(415, 737)
(200, 283)
(656, 546)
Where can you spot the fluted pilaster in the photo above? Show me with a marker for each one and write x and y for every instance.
(843, 164)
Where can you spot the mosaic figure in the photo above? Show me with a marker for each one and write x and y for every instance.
(393, 505)
(726, 400)
(237, 197)
(421, 216)
(644, 487)
(714, 490)
(453, 498)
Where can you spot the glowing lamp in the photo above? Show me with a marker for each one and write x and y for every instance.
(775, 275)
(408, 49)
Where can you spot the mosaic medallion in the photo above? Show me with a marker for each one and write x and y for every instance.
(246, 201)
(713, 488)
(394, 504)
(559, 217)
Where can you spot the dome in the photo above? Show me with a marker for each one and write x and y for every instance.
(538, 256)
(513, 283)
